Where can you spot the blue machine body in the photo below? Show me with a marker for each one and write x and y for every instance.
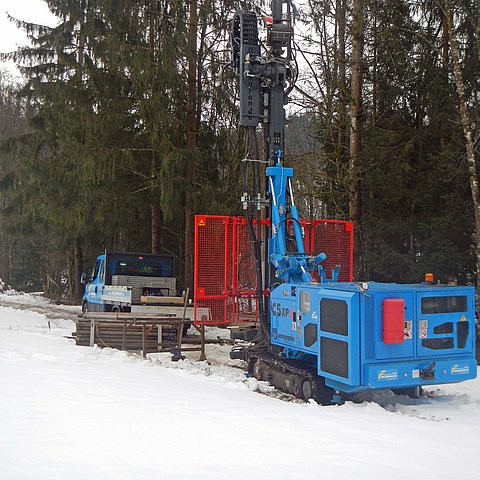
(338, 327)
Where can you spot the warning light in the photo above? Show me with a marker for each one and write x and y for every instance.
(429, 277)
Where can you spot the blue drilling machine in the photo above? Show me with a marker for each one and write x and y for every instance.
(326, 339)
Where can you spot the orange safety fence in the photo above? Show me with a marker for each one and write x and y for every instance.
(224, 272)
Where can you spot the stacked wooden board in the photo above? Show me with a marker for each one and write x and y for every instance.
(152, 332)
(109, 334)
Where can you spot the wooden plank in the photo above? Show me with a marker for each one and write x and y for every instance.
(92, 332)
(116, 316)
(161, 300)
(144, 341)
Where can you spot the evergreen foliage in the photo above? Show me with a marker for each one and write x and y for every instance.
(95, 146)
(417, 213)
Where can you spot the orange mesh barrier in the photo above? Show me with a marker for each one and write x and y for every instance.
(225, 275)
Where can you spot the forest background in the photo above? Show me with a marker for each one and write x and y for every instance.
(125, 126)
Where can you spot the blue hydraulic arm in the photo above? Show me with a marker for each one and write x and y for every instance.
(294, 267)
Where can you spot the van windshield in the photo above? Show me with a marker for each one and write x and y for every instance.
(140, 265)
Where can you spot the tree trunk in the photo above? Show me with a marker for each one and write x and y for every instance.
(78, 270)
(445, 57)
(355, 137)
(155, 211)
(342, 84)
(374, 65)
(155, 226)
(467, 132)
(191, 144)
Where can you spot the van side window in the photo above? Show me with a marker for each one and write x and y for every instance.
(102, 272)
(95, 270)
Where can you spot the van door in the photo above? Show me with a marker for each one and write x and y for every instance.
(94, 288)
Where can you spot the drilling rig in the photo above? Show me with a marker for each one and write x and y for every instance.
(324, 339)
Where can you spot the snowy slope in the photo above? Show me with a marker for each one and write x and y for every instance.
(79, 412)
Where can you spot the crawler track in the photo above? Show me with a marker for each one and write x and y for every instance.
(290, 376)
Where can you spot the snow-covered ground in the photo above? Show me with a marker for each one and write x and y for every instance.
(79, 412)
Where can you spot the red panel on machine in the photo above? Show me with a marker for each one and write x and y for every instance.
(225, 275)
(393, 320)
(335, 239)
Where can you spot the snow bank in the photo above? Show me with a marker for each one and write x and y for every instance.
(38, 303)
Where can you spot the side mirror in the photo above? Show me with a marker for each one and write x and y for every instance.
(84, 278)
